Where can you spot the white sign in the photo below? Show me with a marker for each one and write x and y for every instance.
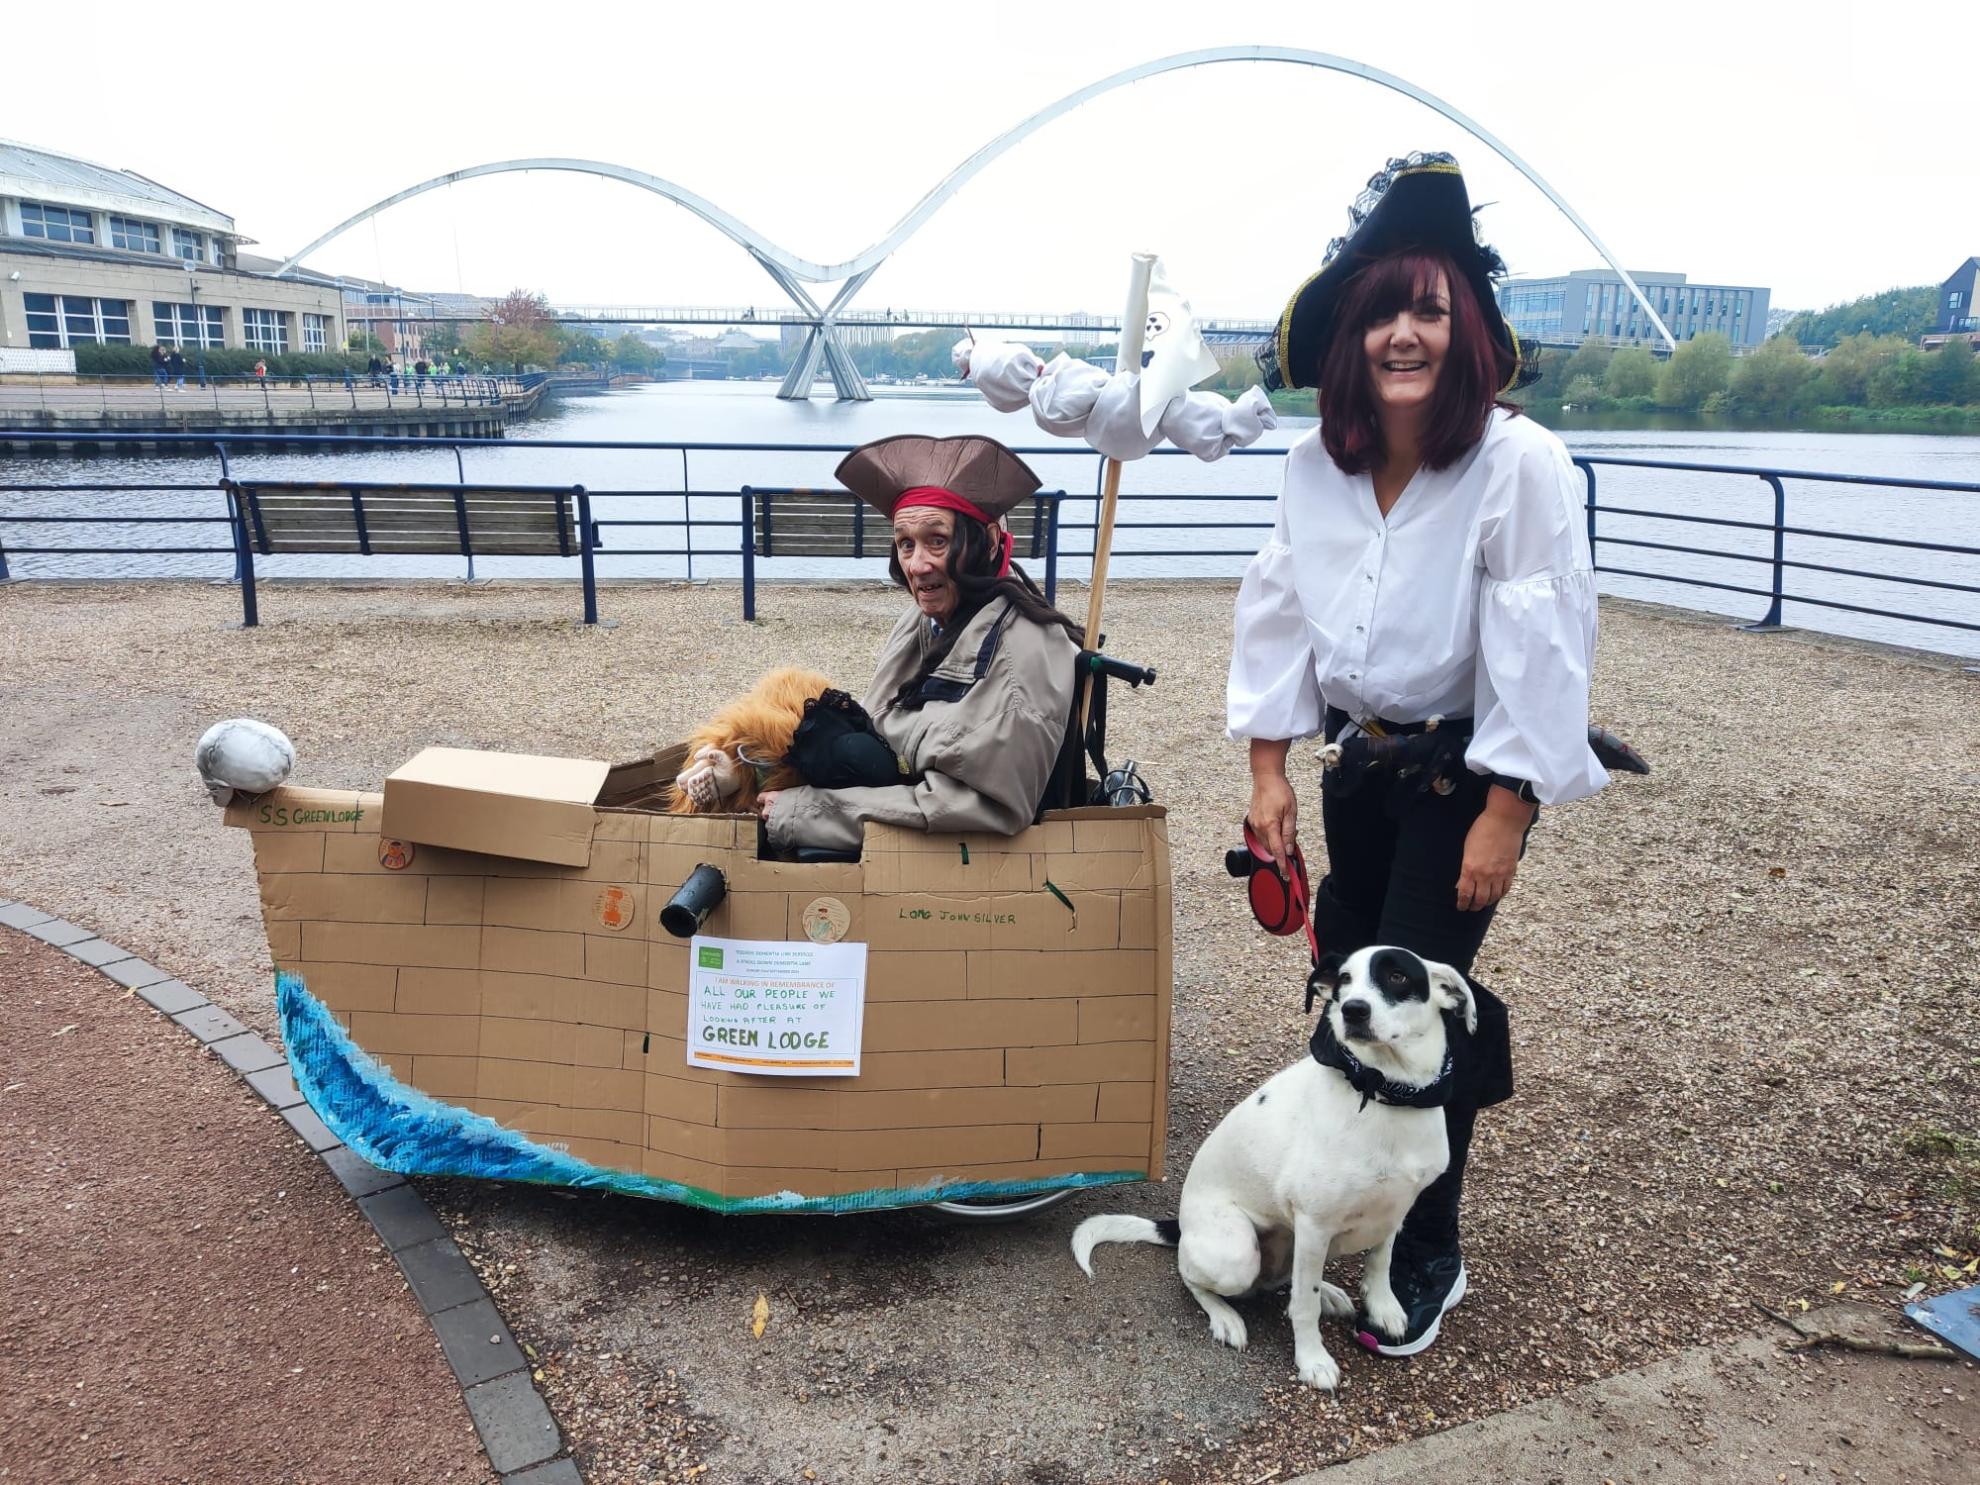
(779, 1009)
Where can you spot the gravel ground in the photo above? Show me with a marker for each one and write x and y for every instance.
(1743, 997)
(186, 1294)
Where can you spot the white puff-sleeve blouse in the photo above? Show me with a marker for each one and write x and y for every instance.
(1475, 597)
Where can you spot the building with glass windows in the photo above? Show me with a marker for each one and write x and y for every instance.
(91, 254)
(1595, 304)
(1959, 301)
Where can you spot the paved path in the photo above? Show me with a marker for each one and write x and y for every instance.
(187, 1293)
(1715, 1416)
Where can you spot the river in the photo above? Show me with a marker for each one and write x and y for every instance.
(736, 412)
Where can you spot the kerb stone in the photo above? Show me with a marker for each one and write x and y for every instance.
(515, 1427)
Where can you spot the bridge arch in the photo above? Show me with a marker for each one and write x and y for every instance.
(791, 271)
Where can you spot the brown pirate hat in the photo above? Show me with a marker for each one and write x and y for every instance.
(979, 470)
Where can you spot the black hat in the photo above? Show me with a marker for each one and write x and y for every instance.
(836, 746)
(1415, 202)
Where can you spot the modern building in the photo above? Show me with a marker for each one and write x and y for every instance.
(89, 254)
(1957, 310)
(1595, 304)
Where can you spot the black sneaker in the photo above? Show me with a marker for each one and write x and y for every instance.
(1428, 1282)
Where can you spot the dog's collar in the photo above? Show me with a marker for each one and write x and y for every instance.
(1370, 1083)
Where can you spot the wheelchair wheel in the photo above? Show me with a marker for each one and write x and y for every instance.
(985, 1210)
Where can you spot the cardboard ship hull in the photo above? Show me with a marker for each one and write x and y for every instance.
(453, 1011)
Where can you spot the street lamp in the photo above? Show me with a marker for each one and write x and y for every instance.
(199, 325)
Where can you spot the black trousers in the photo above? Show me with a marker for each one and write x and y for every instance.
(1394, 851)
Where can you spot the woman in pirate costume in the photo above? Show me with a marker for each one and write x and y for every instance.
(1427, 601)
(973, 689)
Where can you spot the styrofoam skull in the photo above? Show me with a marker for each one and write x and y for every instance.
(242, 754)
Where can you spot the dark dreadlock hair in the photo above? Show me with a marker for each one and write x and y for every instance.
(972, 564)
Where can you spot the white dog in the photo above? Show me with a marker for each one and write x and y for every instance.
(1325, 1159)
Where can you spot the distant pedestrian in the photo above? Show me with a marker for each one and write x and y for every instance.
(392, 376)
(176, 365)
(158, 365)
(260, 369)
(375, 369)
(420, 368)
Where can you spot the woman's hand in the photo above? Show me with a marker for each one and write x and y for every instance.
(1274, 812)
(1491, 850)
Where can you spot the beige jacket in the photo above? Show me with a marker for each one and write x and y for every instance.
(978, 757)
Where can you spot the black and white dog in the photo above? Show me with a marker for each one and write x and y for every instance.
(1325, 1159)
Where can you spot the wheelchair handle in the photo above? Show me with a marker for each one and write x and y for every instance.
(1095, 663)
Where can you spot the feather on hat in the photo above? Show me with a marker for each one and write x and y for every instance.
(1417, 201)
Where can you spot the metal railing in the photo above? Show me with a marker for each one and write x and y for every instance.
(1778, 562)
(1610, 526)
(180, 394)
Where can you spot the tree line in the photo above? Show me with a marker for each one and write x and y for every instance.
(1778, 380)
(1906, 313)
(516, 332)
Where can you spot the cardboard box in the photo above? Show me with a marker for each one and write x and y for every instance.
(493, 934)
(499, 804)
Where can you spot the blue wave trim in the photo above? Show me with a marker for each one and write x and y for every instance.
(401, 1129)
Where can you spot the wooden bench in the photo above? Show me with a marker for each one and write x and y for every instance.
(835, 523)
(357, 518)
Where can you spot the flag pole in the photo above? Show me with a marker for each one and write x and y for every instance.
(1134, 325)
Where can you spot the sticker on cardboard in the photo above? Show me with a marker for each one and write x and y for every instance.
(826, 920)
(615, 908)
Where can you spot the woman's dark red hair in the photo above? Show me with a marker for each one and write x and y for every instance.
(1474, 368)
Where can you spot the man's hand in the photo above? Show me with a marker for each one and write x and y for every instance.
(1491, 850)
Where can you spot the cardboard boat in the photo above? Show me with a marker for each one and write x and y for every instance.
(473, 980)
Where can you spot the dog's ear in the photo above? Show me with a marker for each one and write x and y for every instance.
(1451, 991)
(1324, 980)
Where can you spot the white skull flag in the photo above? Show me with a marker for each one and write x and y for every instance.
(1173, 355)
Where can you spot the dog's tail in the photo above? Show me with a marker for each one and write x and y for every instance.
(1121, 1229)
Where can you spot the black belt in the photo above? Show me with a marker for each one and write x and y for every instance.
(1338, 719)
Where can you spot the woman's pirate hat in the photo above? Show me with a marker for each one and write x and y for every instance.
(1416, 202)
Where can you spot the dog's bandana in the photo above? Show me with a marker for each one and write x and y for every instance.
(1370, 1083)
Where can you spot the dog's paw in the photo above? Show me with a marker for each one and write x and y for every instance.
(698, 786)
(1385, 1313)
(1228, 1330)
(1334, 1302)
(1320, 1370)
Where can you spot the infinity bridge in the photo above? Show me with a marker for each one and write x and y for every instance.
(792, 273)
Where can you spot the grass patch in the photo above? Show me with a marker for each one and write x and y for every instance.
(1941, 1144)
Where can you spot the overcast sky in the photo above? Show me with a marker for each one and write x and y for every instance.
(1814, 152)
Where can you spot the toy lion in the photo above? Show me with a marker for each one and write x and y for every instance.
(739, 752)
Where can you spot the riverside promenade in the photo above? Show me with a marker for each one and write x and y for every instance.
(1744, 1022)
(430, 407)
